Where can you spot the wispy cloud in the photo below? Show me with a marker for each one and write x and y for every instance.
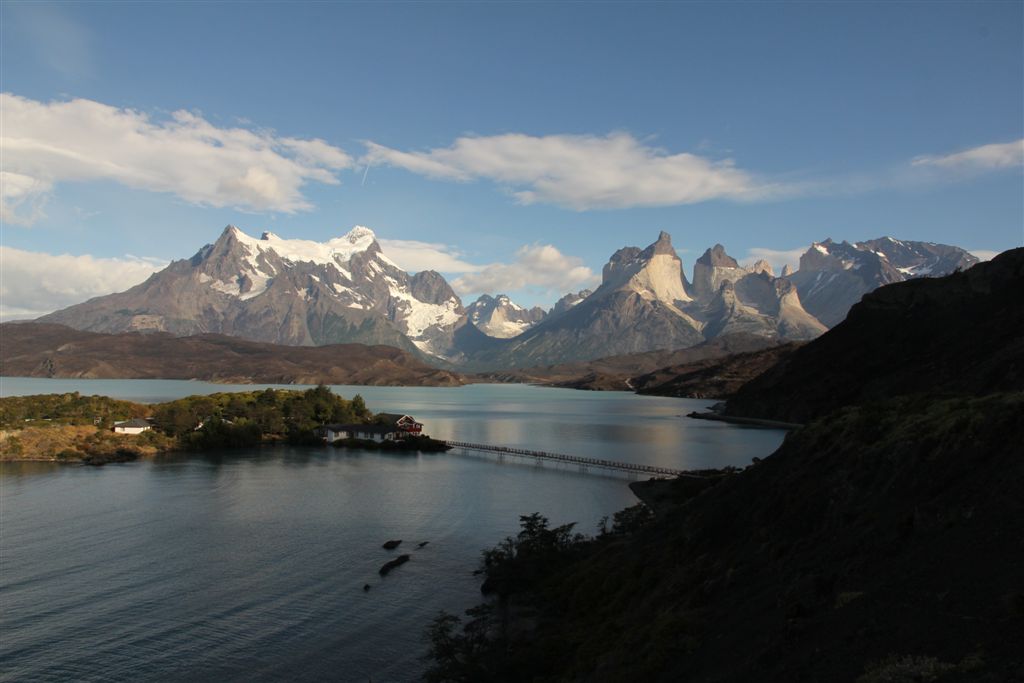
(414, 256)
(540, 268)
(984, 158)
(46, 143)
(22, 197)
(984, 254)
(34, 283)
(583, 171)
(56, 38)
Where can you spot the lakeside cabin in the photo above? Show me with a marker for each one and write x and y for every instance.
(386, 427)
(134, 426)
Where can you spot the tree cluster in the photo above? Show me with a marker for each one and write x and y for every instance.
(69, 408)
(245, 418)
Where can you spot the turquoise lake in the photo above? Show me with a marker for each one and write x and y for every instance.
(250, 565)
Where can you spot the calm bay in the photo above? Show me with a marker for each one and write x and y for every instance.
(250, 564)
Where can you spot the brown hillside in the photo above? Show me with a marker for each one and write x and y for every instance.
(46, 350)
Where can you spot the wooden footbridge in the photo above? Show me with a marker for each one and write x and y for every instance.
(582, 463)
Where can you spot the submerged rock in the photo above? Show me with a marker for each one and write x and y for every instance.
(422, 544)
(391, 545)
(397, 562)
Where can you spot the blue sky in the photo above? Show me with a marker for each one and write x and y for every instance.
(524, 142)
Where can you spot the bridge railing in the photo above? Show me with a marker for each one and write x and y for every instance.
(575, 459)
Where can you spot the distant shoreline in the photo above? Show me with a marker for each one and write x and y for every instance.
(748, 421)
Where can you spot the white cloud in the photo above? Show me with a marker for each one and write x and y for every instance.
(984, 254)
(414, 256)
(81, 140)
(34, 283)
(582, 171)
(537, 267)
(778, 258)
(983, 158)
(22, 198)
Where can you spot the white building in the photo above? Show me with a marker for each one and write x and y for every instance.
(136, 426)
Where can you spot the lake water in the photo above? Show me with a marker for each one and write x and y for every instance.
(250, 565)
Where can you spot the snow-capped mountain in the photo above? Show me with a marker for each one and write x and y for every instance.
(645, 303)
(502, 318)
(569, 300)
(738, 299)
(286, 291)
(301, 292)
(834, 276)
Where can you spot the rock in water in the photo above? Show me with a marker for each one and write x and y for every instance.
(391, 545)
(422, 544)
(397, 562)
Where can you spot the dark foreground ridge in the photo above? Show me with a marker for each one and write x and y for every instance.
(882, 542)
(884, 539)
(963, 333)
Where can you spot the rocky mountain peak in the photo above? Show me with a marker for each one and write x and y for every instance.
(430, 287)
(502, 318)
(762, 266)
(570, 300)
(623, 261)
(663, 245)
(713, 268)
(834, 276)
(717, 258)
(653, 273)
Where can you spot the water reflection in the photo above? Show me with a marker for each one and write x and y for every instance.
(249, 565)
(647, 430)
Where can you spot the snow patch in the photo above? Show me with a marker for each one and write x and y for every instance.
(417, 316)
(260, 283)
(335, 252)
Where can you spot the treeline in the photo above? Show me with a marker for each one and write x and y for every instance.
(223, 420)
(228, 420)
(487, 647)
(70, 409)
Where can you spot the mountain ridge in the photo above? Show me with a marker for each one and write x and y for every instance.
(32, 349)
(346, 290)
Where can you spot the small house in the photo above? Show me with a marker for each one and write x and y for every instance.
(134, 426)
(401, 423)
(374, 432)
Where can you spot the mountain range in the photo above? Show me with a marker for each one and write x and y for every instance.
(305, 293)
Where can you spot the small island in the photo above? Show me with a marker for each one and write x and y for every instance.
(97, 430)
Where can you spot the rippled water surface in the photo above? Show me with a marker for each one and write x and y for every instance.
(250, 565)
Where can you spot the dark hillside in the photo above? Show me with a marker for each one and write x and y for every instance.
(880, 544)
(963, 333)
(712, 378)
(47, 350)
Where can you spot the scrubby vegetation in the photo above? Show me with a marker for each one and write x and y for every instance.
(486, 648)
(881, 543)
(80, 443)
(243, 418)
(72, 427)
(71, 408)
